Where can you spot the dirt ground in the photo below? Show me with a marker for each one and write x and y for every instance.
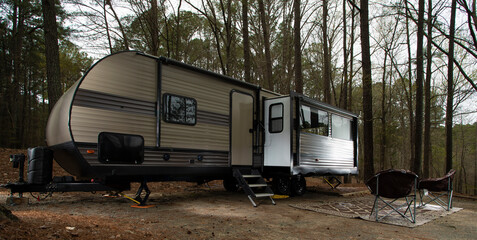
(188, 211)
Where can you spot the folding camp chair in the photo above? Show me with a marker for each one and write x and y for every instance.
(394, 184)
(436, 189)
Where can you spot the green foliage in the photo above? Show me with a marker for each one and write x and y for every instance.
(23, 91)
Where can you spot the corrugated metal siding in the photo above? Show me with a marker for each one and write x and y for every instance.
(125, 74)
(57, 130)
(117, 95)
(200, 136)
(269, 94)
(87, 123)
(331, 153)
(212, 96)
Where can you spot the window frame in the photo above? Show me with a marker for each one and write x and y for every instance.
(270, 119)
(350, 127)
(317, 111)
(167, 107)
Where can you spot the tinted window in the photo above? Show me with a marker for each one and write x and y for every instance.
(313, 120)
(178, 109)
(276, 118)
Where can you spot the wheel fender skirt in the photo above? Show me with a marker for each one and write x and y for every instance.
(320, 171)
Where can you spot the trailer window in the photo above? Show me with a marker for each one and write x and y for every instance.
(314, 121)
(178, 109)
(276, 118)
(340, 127)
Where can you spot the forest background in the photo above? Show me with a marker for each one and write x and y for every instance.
(407, 67)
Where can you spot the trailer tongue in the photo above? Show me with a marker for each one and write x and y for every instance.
(40, 180)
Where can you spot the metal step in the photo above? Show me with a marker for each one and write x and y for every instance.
(251, 176)
(258, 185)
(263, 194)
(251, 181)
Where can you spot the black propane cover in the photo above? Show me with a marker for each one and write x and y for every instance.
(40, 165)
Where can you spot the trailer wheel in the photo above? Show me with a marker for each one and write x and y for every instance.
(230, 184)
(282, 185)
(298, 186)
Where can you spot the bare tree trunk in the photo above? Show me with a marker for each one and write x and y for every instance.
(51, 53)
(417, 166)
(286, 74)
(427, 89)
(106, 25)
(382, 152)
(410, 96)
(450, 89)
(475, 161)
(178, 30)
(344, 89)
(367, 93)
(266, 39)
(154, 28)
(167, 38)
(463, 172)
(227, 17)
(216, 30)
(246, 42)
(18, 34)
(121, 27)
(351, 63)
(326, 56)
(343, 103)
(297, 43)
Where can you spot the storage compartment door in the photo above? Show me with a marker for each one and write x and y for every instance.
(277, 146)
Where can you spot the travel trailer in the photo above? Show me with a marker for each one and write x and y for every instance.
(139, 118)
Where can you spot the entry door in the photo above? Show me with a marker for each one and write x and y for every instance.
(277, 146)
(241, 139)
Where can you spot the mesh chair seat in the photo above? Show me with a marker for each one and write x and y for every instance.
(442, 184)
(394, 184)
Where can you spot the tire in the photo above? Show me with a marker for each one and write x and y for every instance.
(230, 184)
(298, 186)
(282, 185)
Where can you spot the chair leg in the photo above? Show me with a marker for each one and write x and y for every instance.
(450, 188)
(375, 208)
(449, 195)
(422, 195)
(412, 211)
(414, 199)
(437, 199)
(409, 203)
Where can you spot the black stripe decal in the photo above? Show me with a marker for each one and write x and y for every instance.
(93, 99)
(212, 118)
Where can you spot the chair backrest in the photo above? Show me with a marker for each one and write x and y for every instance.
(393, 183)
(450, 174)
(438, 184)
